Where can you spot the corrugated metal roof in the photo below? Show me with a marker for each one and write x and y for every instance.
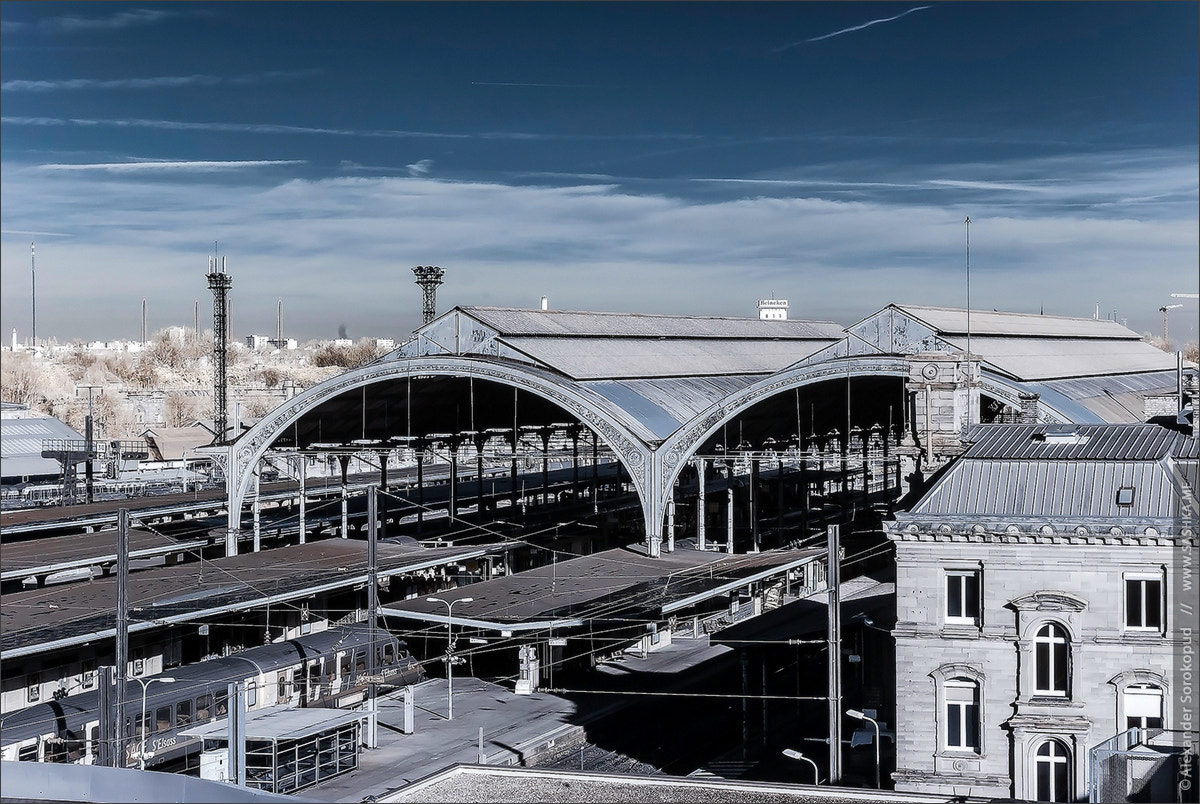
(1055, 358)
(1083, 442)
(1114, 399)
(619, 358)
(510, 321)
(1056, 489)
(947, 321)
(21, 445)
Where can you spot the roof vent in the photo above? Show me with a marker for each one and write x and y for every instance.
(1060, 437)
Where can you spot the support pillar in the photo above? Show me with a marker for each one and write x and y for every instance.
(303, 498)
(256, 510)
(344, 460)
(670, 526)
(701, 504)
(755, 537)
(729, 517)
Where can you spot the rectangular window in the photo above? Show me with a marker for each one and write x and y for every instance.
(962, 596)
(162, 719)
(1143, 603)
(184, 712)
(962, 716)
(1143, 707)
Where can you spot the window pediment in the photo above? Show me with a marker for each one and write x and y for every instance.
(1049, 600)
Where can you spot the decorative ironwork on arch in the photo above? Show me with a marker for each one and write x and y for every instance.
(239, 457)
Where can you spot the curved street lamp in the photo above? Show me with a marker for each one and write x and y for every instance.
(146, 682)
(861, 716)
(449, 649)
(794, 754)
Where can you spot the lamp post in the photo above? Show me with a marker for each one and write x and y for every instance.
(146, 682)
(449, 649)
(861, 716)
(794, 754)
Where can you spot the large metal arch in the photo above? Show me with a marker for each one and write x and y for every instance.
(241, 456)
(677, 450)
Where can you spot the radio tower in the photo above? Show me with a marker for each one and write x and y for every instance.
(219, 283)
(428, 277)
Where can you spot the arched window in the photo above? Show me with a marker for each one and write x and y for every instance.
(1052, 670)
(962, 715)
(1143, 706)
(1053, 761)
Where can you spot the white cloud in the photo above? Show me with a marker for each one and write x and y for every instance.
(420, 168)
(154, 82)
(340, 250)
(163, 166)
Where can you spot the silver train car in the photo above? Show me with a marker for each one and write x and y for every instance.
(327, 668)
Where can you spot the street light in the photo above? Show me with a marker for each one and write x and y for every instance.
(794, 754)
(857, 714)
(146, 682)
(449, 649)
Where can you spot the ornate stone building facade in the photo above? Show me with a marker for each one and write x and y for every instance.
(1038, 608)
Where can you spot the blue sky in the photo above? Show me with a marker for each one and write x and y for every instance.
(679, 158)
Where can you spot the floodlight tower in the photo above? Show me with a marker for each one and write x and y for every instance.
(220, 284)
(428, 277)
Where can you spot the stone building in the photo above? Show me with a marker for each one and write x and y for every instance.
(1038, 584)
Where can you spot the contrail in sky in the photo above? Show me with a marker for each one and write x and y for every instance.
(508, 84)
(849, 30)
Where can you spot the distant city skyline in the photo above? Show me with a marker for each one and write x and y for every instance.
(676, 158)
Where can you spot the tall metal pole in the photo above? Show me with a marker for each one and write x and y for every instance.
(122, 635)
(33, 289)
(968, 287)
(833, 580)
(372, 611)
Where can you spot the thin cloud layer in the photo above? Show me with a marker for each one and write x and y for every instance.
(505, 244)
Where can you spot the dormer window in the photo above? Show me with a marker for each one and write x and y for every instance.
(1125, 495)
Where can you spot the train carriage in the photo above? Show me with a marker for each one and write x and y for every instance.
(328, 668)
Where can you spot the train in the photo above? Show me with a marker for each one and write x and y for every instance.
(325, 668)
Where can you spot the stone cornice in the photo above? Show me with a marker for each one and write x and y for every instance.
(957, 529)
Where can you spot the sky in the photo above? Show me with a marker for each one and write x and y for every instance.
(674, 158)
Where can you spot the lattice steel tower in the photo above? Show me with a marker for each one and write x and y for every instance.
(428, 277)
(219, 283)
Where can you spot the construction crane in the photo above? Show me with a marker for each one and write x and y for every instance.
(1166, 311)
